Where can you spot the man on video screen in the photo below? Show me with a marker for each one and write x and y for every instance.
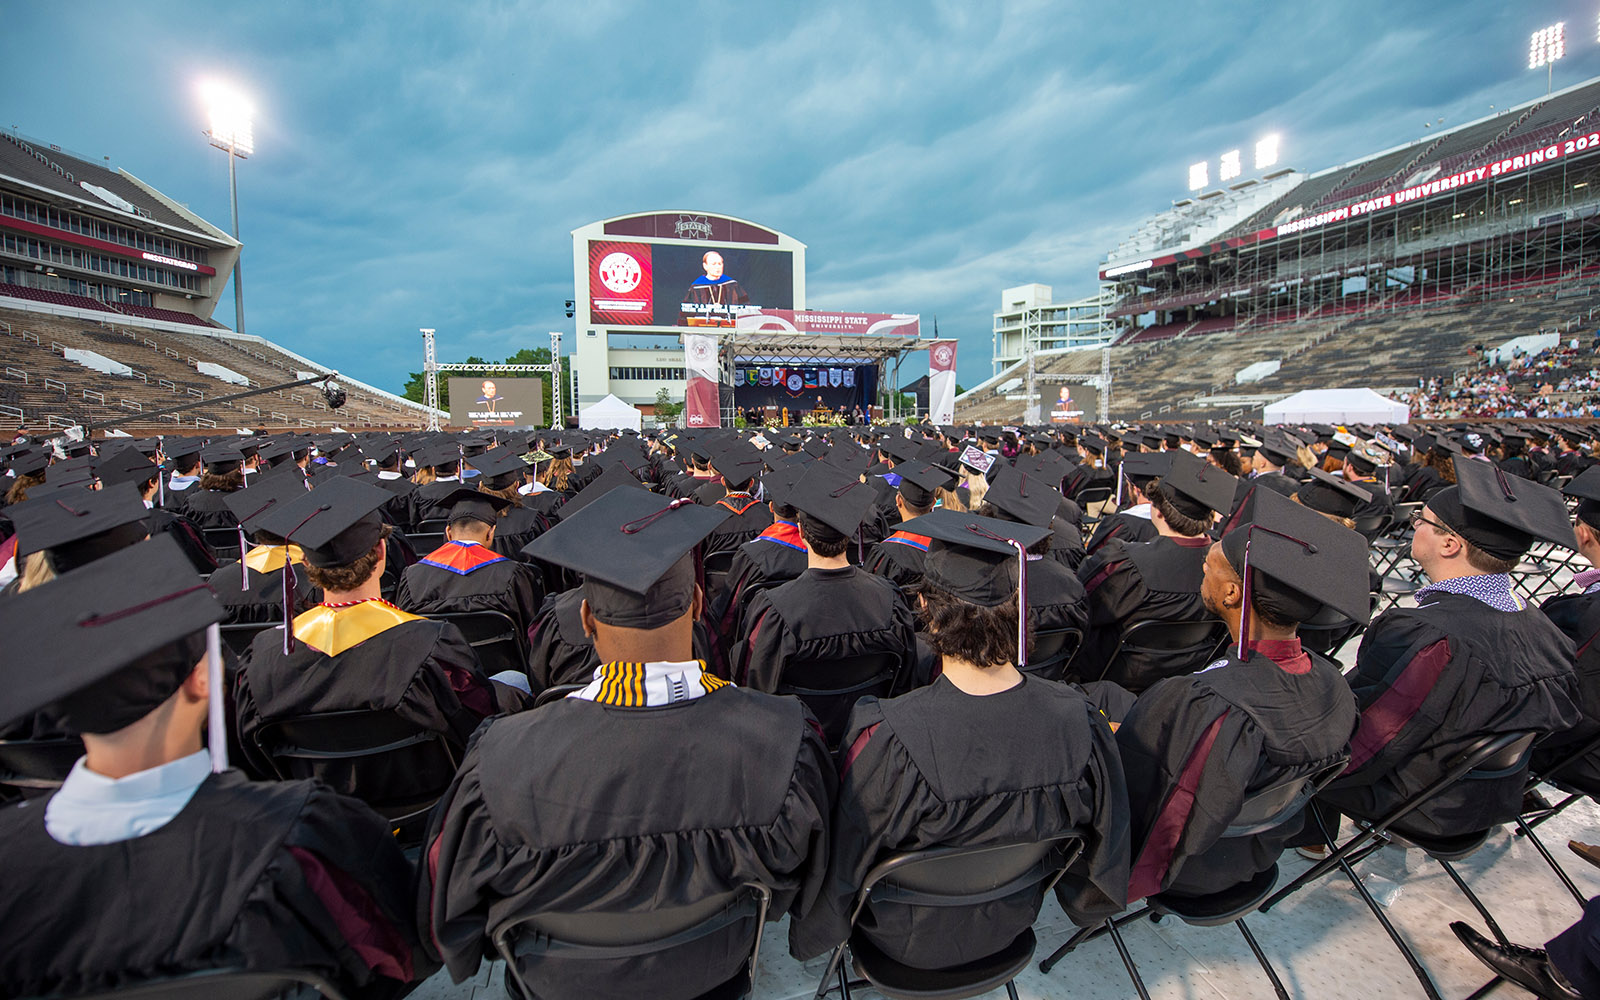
(489, 397)
(714, 288)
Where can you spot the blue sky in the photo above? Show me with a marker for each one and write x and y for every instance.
(424, 164)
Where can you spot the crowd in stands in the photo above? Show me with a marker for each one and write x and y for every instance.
(355, 708)
(1559, 382)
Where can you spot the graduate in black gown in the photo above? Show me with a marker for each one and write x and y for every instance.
(388, 474)
(427, 500)
(705, 785)
(738, 464)
(1158, 580)
(1130, 522)
(1577, 615)
(1196, 747)
(983, 755)
(356, 650)
(831, 611)
(253, 591)
(500, 472)
(206, 503)
(1471, 659)
(774, 557)
(900, 555)
(129, 465)
(466, 573)
(153, 859)
(182, 470)
(1056, 598)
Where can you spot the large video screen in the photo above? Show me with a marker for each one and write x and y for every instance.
(496, 402)
(699, 284)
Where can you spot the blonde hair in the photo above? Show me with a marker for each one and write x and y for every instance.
(36, 572)
(557, 473)
(424, 475)
(949, 499)
(19, 489)
(979, 487)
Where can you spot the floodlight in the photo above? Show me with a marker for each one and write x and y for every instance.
(1547, 45)
(1229, 167)
(1267, 152)
(1199, 176)
(230, 115)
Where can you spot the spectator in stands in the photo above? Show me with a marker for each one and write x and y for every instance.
(224, 872)
(757, 809)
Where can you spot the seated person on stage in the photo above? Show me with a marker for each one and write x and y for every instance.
(1577, 615)
(465, 573)
(1131, 523)
(252, 590)
(831, 611)
(1158, 580)
(738, 463)
(151, 860)
(656, 785)
(983, 755)
(775, 556)
(899, 557)
(356, 650)
(1249, 720)
(1472, 659)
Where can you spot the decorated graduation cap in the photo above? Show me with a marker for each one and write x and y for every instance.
(334, 524)
(613, 477)
(833, 497)
(104, 645)
(1294, 561)
(470, 503)
(981, 560)
(633, 549)
(1023, 498)
(920, 482)
(76, 529)
(1332, 494)
(1586, 487)
(1196, 487)
(1501, 514)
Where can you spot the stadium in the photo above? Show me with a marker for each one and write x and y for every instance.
(1385, 271)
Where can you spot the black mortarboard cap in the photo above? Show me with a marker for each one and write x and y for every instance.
(468, 502)
(500, 465)
(1586, 487)
(920, 482)
(1021, 497)
(1145, 466)
(1332, 494)
(221, 458)
(435, 455)
(1295, 553)
(128, 465)
(82, 527)
(266, 493)
(779, 483)
(104, 645)
(181, 447)
(901, 449)
(969, 556)
(833, 497)
(632, 548)
(1499, 513)
(1277, 451)
(1200, 486)
(738, 462)
(29, 462)
(602, 484)
(335, 524)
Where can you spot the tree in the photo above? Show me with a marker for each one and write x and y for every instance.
(415, 389)
(666, 410)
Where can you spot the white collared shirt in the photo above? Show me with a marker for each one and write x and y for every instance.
(1139, 510)
(388, 475)
(91, 808)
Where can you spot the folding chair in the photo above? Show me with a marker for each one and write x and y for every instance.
(238, 636)
(390, 763)
(32, 767)
(831, 688)
(1271, 807)
(430, 526)
(218, 984)
(1182, 646)
(501, 644)
(556, 693)
(223, 542)
(1053, 649)
(1328, 631)
(425, 542)
(715, 566)
(527, 941)
(1488, 756)
(1575, 786)
(950, 877)
(1094, 497)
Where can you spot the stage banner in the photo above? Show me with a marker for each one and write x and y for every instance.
(700, 365)
(860, 324)
(942, 382)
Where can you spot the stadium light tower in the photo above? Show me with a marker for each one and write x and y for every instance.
(231, 118)
(1545, 46)
(1267, 151)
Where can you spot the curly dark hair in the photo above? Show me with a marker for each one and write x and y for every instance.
(343, 579)
(822, 539)
(227, 482)
(984, 637)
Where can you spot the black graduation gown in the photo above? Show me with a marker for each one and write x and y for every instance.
(1121, 525)
(1578, 618)
(708, 492)
(259, 598)
(161, 521)
(899, 558)
(398, 510)
(685, 801)
(823, 615)
(514, 529)
(423, 670)
(774, 557)
(1517, 465)
(1421, 483)
(464, 577)
(1238, 727)
(1056, 599)
(1570, 463)
(1381, 502)
(1066, 544)
(1432, 679)
(259, 875)
(208, 509)
(941, 768)
(427, 500)
(175, 499)
(1129, 583)
(558, 650)
(749, 518)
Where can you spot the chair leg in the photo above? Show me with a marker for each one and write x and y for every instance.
(1485, 989)
(1266, 966)
(1127, 961)
(1011, 989)
(834, 962)
(844, 984)
(1555, 866)
(1477, 904)
(1072, 942)
(1553, 810)
(1394, 935)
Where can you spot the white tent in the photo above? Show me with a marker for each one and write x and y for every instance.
(1336, 406)
(610, 414)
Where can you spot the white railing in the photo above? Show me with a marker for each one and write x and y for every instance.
(30, 336)
(172, 417)
(131, 404)
(169, 352)
(167, 384)
(14, 412)
(98, 397)
(141, 376)
(246, 407)
(52, 420)
(150, 343)
(204, 422)
(58, 347)
(50, 383)
(196, 393)
(16, 374)
(280, 417)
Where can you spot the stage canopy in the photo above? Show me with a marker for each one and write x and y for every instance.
(610, 414)
(1336, 406)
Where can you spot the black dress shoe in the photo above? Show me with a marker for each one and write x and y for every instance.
(1529, 968)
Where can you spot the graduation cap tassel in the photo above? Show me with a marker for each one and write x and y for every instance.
(244, 571)
(1022, 603)
(216, 724)
(290, 585)
(1244, 601)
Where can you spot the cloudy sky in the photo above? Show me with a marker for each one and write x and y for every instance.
(424, 164)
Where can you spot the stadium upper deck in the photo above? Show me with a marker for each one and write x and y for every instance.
(1508, 201)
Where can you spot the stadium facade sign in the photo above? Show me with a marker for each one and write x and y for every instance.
(1503, 167)
(89, 242)
(857, 324)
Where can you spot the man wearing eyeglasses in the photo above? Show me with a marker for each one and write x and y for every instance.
(1471, 659)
